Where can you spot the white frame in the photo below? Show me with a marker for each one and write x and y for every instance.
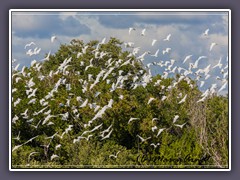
(118, 10)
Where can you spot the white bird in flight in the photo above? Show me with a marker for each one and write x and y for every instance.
(167, 50)
(36, 126)
(16, 147)
(142, 139)
(47, 57)
(84, 103)
(53, 38)
(17, 102)
(27, 45)
(206, 32)
(160, 131)
(167, 38)
(180, 125)
(150, 100)
(18, 136)
(54, 156)
(143, 32)
(212, 45)
(183, 99)
(156, 53)
(32, 153)
(155, 145)
(15, 118)
(153, 42)
(114, 156)
(187, 58)
(130, 30)
(154, 128)
(131, 119)
(223, 87)
(175, 118)
(108, 135)
(219, 64)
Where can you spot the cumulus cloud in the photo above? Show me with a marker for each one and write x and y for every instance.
(43, 26)
(186, 31)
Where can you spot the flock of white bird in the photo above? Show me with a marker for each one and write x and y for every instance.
(113, 66)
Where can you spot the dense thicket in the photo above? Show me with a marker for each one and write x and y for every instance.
(64, 84)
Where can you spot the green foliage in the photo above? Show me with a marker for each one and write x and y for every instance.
(178, 147)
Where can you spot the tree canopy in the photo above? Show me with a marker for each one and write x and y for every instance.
(96, 105)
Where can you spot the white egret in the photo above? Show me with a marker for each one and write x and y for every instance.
(223, 87)
(212, 45)
(156, 53)
(25, 113)
(143, 32)
(114, 156)
(129, 44)
(16, 147)
(32, 101)
(31, 139)
(160, 131)
(131, 119)
(142, 139)
(36, 126)
(153, 42)
(206, 32)
(154, 128)
(187, 58)
(155, 145)
(33, 93)
(14, 90)
(47, 118)
(154, 119)
(69, 128)
(183, 99)
(50, 123)
(175, 118)
(15, 118)
(163, 98)
(47, 58)
(61, 135)
(30, 120)
(32, 153)
(51, 137)
(167, 38)
(17, 79)
(84, 104)
(167, 50)
(150, 100)
(219, 64)
(16, 67)
(64, 116)
(53, 38)
(108, 135)
(29, 44)
(130, 30)
(201, 83)
(180, 125)
(202, 99)
(103, 41)
(54, 156)
(18, 136)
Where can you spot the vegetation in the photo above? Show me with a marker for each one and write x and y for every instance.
(201, 143)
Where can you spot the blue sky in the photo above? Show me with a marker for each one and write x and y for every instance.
(186, 30)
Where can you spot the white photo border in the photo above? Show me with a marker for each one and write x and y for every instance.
(119, 10)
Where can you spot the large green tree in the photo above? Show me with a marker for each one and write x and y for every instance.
(115, 85)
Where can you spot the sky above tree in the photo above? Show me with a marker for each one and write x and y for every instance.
(186, 29)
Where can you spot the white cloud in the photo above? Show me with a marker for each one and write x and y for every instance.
(185, 39)
(25, 22)
(65, 15)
